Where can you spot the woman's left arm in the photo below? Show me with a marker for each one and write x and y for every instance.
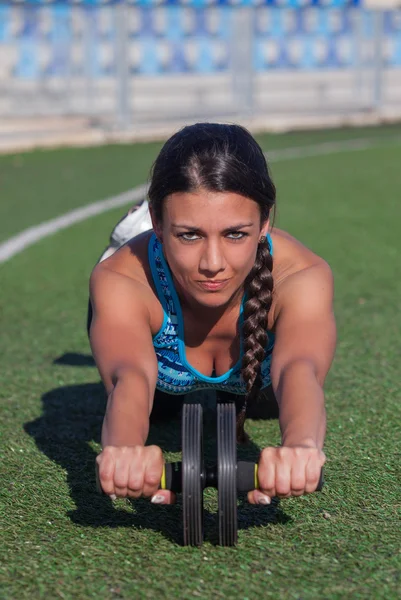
(303, 352)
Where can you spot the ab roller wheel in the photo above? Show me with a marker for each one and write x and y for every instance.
(192, 474)
(190, 477)
(227, 474)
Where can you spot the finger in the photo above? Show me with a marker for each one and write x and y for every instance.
(250, 497)
(298, 478)
(135, 480)
(267, 473)
(260, 498)
(121, 475)
(283, 477)
(153, 472)
(163, 497)
(313, 469)
(257, 497)
(105, 463)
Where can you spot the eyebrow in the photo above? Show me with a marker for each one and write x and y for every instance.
(231, 228)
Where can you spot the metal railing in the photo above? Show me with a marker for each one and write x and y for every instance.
(124, 62)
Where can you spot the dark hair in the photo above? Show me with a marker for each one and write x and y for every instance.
(225, 158)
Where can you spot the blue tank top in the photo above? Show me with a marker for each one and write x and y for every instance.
(175, 374)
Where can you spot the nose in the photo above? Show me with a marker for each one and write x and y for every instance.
(212, 259)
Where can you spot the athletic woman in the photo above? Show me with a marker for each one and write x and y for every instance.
(212, 297)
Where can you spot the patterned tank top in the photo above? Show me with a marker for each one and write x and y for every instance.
(175, 374)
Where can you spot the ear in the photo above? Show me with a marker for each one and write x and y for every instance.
(265, 229)
(156, 226)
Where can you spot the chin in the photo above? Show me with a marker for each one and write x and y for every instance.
(213, 299)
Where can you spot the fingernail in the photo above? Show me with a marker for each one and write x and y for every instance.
(113, 496)
(157, 499)
(264, 499)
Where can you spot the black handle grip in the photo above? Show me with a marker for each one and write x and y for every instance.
(247, 477)
(172, 477)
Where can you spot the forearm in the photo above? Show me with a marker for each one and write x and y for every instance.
(301, 402)
(126, 422)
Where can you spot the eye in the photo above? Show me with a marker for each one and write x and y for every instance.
(237, 235)
(189, 236)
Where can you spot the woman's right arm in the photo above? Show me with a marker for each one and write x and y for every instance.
(121, 342)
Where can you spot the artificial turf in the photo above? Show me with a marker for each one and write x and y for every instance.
(59, 538)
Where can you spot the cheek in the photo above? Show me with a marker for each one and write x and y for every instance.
(242, 263)
(182, 263)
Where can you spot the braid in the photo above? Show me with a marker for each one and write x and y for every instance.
(259, 285)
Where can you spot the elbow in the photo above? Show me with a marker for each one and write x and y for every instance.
(126, 373)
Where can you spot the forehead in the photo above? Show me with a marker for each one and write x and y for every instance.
(210, 209)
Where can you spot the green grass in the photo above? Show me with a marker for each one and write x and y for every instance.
(40, 185)
(60, 539)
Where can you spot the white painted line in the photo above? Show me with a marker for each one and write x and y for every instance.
(26, 238)
(330, 148)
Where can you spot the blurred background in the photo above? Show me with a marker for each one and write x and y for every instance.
(91, 70)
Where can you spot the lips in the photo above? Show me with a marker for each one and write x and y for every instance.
(213, 285)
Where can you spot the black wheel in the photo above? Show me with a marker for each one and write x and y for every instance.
(192, 474)
(227, 473)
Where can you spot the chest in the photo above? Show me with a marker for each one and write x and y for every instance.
(212, 350)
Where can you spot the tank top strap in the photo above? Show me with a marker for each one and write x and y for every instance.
(160, 276)
(270, 242)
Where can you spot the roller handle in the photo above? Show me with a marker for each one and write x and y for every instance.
(171, 478)
(247, 477)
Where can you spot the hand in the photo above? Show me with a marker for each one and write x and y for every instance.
(132, 471)
(287, 471)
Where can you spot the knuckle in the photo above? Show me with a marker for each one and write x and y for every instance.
(267, 454)
(135, 482)
(284, 452)
(152, 478)
(156, 451)
(282, 489)
(120, 480)
(108, 451)
(298, 485)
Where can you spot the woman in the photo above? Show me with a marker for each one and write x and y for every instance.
(199, 303)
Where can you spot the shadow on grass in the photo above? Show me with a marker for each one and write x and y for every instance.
(72, 419)
(75, 359)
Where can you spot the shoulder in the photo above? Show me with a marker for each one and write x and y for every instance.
(301, 277)
(115, 293)
(123, 283)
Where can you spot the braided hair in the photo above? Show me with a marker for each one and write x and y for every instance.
(259, 288)
(226, 158)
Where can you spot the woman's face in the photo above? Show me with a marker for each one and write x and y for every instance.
(210, 241)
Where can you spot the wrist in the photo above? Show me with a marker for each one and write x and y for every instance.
(293, 442)
(125, 423)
